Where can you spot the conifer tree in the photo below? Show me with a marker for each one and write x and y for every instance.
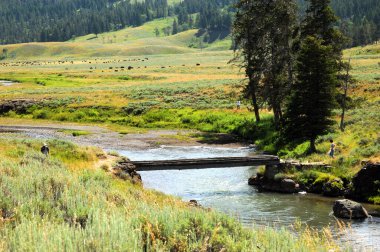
(263, 33)
(320, 22)
(175, 27)
(310, 108)
(319, 62)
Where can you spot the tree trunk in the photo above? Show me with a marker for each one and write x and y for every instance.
(312, 148)
(345, 97)
(252, 89)
(277, 113)
(255, 107)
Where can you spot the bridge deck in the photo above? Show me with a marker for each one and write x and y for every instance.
(206, 163)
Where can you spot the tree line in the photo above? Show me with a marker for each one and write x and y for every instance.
(292, 65)
(61, 20)
(46, 20)
(212, 15)
(359, 20)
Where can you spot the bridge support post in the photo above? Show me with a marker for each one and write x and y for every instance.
(271, 171)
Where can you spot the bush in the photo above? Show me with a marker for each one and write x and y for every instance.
(80, 133)
(40, 114)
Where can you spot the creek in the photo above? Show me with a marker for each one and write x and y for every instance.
(227, 190)
(6, 83)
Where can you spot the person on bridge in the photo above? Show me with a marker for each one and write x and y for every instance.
(45, 149)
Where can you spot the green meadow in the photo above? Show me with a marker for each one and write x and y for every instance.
(134, 79)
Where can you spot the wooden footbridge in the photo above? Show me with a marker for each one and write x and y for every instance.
(206, 163)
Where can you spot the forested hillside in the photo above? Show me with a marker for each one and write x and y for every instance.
(60, 20)
(359, 19)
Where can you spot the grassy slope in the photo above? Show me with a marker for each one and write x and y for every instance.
(361, 139)
(130, 41)
(81, 207)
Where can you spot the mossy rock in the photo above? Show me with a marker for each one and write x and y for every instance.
(333, 188)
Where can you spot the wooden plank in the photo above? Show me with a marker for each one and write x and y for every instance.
(205, 163)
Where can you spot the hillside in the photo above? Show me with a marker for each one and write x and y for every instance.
(51, 21)
(131, 41)
(48, 21)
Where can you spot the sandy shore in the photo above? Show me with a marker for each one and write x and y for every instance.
(107, 139)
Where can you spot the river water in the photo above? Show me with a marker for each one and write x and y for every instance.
(6, 83)
(227, 190)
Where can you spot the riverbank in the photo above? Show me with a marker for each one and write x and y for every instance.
(82, 207)
(107, 138)
(318, 178)
(329, 179)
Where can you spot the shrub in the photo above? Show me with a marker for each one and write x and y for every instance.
(40, 114)
(80, 133)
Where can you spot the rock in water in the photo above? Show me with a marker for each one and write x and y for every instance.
(254, 181)
(348, 209)
(366, 182)
(289, 186)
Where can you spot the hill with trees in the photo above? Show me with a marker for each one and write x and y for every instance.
(47, 20)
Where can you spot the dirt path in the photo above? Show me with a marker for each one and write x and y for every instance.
(107, 139)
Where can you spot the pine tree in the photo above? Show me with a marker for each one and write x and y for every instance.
(263, 32)
(320, 22)
(175, 27)
(156, 32)
(310, 108)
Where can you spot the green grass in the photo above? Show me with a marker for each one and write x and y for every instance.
(130, 41)
(88, 210)
(187, 88)
(76, 133)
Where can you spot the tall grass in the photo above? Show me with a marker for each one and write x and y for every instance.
(45, 206)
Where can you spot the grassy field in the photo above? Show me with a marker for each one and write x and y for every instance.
(68, 203)
(131, 41)
(143, 81)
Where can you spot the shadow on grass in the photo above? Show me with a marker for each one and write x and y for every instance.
(216, 138)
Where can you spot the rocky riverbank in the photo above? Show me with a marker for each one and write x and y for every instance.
(364, 185)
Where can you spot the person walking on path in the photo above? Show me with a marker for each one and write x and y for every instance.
(238, 104)
(45, 149)
(332, 149)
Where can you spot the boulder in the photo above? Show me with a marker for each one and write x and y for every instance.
(283, 186)
(333, 188)
(125, 170)
(348, 209)
(289, 186)
(194, 203)
(254, 181)
(366, 182)
(19, 106)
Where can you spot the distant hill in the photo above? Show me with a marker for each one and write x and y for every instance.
(59, 20)
(131, 41)
(24, 21)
